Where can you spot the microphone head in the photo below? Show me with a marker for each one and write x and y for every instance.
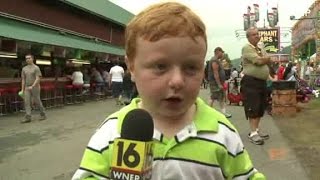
(137, 125)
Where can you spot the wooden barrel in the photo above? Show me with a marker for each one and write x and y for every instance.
(284, 98)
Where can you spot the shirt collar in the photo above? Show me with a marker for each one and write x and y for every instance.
(205, 120)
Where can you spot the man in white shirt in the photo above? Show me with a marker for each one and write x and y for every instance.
(77, 77)
(234, 73)
(115, 81)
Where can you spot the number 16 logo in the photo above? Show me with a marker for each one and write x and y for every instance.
(130, 157)
(129, 154)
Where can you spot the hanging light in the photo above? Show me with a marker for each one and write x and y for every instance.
(43, 62)
(8, 54)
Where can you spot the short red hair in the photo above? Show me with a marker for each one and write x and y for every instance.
(169, 19)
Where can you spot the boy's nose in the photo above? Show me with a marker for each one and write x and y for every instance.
(176, 79)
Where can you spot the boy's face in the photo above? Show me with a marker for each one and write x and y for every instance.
(168, 74)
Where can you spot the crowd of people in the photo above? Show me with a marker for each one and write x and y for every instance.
(117, 80)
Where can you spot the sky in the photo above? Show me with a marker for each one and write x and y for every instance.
(224, 18)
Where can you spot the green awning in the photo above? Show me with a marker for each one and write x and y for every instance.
(104, 9)
(28, 32)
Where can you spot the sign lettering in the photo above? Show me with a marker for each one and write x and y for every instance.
(271, 39)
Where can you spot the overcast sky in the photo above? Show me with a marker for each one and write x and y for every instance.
(224, 17)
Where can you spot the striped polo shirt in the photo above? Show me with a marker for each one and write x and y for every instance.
(208, 148)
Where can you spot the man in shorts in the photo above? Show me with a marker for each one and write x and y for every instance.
(217, 77)
(253, 84)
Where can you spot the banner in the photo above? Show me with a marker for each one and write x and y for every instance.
(245, 21)
(270, 39)
(275, 15)
(256, 11)
(252, 20)
(271, 19)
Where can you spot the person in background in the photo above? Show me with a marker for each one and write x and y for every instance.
(280, 72)
(128, 87)
(77, 77)
(105, 76)
(253, 84)
(290, 72)
(217, 78)
(309, 70)
(116, 80)
(226, 64)
(30, 86)
(97, 79)
(165, 46)
(234, 73)
(86, 76)
(86, 80)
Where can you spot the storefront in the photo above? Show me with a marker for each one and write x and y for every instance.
(306, 35)
(61, 34)
(58, 32)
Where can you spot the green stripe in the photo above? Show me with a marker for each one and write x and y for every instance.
(235, 165)
(96, 162)
(193, 149)
(206, 152)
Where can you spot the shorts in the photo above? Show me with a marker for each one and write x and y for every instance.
(216, 93)
(254, 93)
(116, 89)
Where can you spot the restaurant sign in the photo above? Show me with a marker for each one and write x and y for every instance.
(270, 39)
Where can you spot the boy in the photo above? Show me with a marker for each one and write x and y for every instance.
(165, 46)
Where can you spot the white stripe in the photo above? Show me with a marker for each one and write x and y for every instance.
(107, 132)
(183, 170)
(245, 177)
(225, 136)
(81, 174)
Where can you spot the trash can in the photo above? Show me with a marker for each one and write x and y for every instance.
(284, 101)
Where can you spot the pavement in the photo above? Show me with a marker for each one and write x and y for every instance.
(52, 149)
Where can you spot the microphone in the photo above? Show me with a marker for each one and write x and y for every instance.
(133, 151)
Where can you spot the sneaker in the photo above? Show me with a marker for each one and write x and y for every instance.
(263, 135)
(227, 115)
(42, 117)
(27, 119)
(255, 138)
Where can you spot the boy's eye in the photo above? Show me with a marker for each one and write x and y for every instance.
(191, 69)
(160, 67)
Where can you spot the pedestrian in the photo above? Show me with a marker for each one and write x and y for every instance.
(254, 85)
(217, 78)
(234, 74)
(226, 64)
(165, 46)
(96, 78)
(30, 86)
(280, 71)
(128, 88)
(290, 72)
(116, 81)
(77, 77)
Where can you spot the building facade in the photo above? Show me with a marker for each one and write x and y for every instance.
(56, 31)
(306, 35)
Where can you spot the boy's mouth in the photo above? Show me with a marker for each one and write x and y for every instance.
(174, 99)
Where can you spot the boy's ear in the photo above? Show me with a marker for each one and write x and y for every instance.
(130, 66)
